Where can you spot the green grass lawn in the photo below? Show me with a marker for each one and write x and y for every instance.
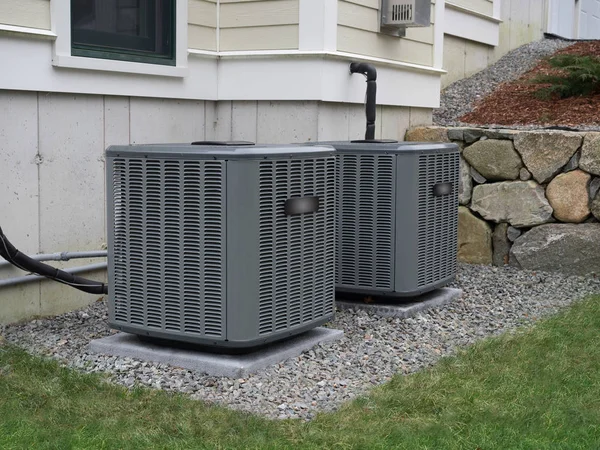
(536, 389)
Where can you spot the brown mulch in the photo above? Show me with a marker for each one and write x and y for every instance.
(513, 103)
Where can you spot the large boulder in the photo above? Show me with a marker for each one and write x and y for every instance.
(568, 196)
(568, 248)
(500, 244)
(520, 203)
(474, 238)
(545, 153)
(494, 159)
(590, 153)
(465, 183)
(427, 134)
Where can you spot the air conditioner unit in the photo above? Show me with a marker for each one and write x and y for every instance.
(223, 245)
(397, 216)
(397, 15)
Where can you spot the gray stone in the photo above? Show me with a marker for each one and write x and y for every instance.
(474, 238)
(595, 206)
(456, 134)
(494, 159)
(573, 249)
(524, 174)
(573, 162)
(477, 176)
(594, 187)
(501, 134)
(409, 307)
(500, 244)
(513, 233)
(545, 153)
(568, 196)
(472, 134)
(520, 203)
(213, 364)
(465, 183)
(590, 154)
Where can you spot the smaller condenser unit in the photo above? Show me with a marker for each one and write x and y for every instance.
(226, 245)
(397, 216)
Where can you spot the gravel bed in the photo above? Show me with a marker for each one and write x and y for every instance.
(495, 300)
(458, 98)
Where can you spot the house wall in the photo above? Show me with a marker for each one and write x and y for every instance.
(358, 32)
(52, 171)
(202, 24)
(52, 177)
(520, 22)
(26, 13)
(258, 25)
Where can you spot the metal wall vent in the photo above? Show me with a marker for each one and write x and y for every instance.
(397, 15)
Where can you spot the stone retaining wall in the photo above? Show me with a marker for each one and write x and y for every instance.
(527, 198)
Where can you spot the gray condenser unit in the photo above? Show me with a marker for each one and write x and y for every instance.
(397, 216)
(226, 245)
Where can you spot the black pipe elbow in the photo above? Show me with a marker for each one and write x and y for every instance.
(366, 69)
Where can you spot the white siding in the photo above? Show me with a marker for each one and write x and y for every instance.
(481, 6)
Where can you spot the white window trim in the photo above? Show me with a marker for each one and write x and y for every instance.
(61, 53)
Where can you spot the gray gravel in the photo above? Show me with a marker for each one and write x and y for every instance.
(459, 97)
(495, 300)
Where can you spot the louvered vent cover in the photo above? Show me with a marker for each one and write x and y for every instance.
(438, 218)
(296, 260)
(365, 221)
(168, 247)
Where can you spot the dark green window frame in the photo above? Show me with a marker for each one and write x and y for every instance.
(122, 47)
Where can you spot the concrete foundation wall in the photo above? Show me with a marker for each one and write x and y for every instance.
(52, 164)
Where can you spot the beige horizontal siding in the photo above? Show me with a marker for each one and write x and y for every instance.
(481, 6)
(258, 24)
(279, 37)
(383, 46)
(358, 32)
(202, 24)
(26, 13)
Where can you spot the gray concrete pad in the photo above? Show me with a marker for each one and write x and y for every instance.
(213, 364)
(403, 307)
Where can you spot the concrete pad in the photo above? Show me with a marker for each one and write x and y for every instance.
(406, 306)
(213, 364)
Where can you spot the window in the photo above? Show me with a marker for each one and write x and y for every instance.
(127, 30)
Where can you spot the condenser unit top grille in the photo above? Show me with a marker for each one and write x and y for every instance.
(220, 152)
(389, 147)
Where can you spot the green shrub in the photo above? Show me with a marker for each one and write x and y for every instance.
(580, 76)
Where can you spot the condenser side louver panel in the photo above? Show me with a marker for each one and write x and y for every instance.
(226, 247)
(365, 221)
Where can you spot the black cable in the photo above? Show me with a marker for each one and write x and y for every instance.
(24, 262)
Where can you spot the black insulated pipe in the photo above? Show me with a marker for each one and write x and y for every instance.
(370, 72)
(24, 262)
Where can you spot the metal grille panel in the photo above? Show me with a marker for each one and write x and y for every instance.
(365, 221)
(297, 253)
(168, 245)
(437, 219)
